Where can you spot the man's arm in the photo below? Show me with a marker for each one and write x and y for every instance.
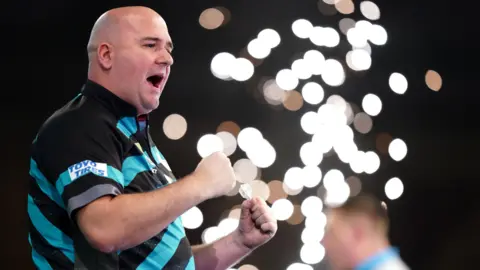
(257, 225)
(221, 254)
(85, 164)
(126, 220)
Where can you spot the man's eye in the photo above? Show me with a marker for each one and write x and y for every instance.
(150, 45)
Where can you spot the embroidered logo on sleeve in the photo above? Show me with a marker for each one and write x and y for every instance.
(87, 166)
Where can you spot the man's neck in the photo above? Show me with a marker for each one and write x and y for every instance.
(370, 248)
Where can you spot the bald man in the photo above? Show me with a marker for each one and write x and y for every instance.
(102, 196)
(356, 236)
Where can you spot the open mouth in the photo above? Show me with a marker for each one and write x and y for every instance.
(155, 80)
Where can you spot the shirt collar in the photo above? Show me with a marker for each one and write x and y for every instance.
(377, 259)
(108, 99)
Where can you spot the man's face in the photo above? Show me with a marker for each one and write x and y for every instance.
(338, 240)
(142, 61)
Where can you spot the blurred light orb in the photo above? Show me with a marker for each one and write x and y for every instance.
(372, 104)
(345, 6)
(222, 64)
(394, 188)
(313, 93)
(310, 122)
(302, 28)
(333, 73)
(286, 79)
(364, 27)
(317, 36)
(337, 195)
(299, 266)
(312, 175)
(378, 35)
(248, 267)
(229, 142)
(292, 178)
(398, 83)
(397, 149)
(372, 162)
(211, 18)
(269, 37)
(192, 218)
(361, 59)
(211, 234)
(245, 170)
(263, 155)
(309, 155)
(433, 80)
(228, 225)
(242, 69)
(312, 253)
(209, 144)
(356, 38)
(315, 61)
(248, 138)
(282, 209)
(346, 24)
(332, 38)
(316, 222)
(258, 49)
(301, 69)
(370, 10)
(332, 179)
(310, 235)
(311, 205)
(366, 48)
(174, 126)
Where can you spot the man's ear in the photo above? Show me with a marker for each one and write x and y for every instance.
(105, 55)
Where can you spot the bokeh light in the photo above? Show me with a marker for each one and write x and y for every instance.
(211, 18)
(208, 144)
(433, 80)
(372, 104)
(394, 188)
(398, 83)
(174, 126)
(397, 149)
(192, 218)
(370, 10)
(331, 129)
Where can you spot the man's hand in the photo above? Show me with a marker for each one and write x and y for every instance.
(216, 174)
(257, 224)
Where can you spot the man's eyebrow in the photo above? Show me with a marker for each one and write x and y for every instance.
(156, 39)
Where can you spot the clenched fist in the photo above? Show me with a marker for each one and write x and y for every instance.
(257, 223)
(216, 173)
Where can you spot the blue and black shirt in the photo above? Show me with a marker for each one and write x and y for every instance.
(94, 146)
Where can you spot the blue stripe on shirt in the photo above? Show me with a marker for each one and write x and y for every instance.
(54, 236)
(164, 251)
(44, 184)
(374, 261)
(134, 165)
(157, 154)
(191, 264)
(128, 126)
(38, 260)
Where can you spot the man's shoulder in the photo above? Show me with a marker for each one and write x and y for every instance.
(394, 263)
(78, 117)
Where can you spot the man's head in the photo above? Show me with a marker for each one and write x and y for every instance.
(355, 230)
(130, 54)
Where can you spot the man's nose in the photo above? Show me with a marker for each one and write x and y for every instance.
(164, 58)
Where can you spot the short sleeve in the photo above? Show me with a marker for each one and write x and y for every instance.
(82, 161)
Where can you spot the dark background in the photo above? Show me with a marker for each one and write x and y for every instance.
(434, 223)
